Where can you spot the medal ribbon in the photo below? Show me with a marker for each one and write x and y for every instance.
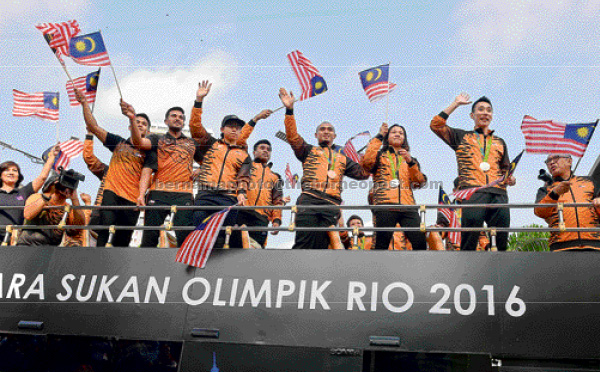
(395, 165)
(361, 243)
(485, 150)
(332, 159)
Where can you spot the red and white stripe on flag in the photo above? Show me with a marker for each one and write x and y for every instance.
(198, 245)
(25, 104)
(350, 152)
(61, 34)
(548, 136)
(454, 222)
(68, 150)
(290, 176)
(81, 84)
(304, 70)
(380, 90)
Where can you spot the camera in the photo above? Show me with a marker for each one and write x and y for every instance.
(69, 179)
(544, 176)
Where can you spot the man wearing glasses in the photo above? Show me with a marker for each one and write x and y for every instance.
(568, 188)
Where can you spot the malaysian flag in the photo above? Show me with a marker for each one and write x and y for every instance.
(292, 178)
(196, 248)
(58, 35)
(68, 150)
(41, 104)
(311, 81)
(375, 82)
(550, 137)
(350, 150)
(466, 194)
(88, 85)
(89, 50)
(451, 216)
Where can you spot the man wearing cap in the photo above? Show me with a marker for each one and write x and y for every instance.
(224, 172)
(482, 158)
(324, 166)
(568, 188)
(170, 157)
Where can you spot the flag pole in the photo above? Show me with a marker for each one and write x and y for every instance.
(591, 134)
(279, 108)
(114, 74)
(387, 97)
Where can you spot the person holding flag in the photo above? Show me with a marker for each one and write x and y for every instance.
(569, 188)
(395, 174)
(324, 167)
(482, 159)
(122, 177)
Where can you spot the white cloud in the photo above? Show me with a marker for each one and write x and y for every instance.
(495, 32)
(153, 91)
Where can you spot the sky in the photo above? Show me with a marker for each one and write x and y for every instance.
(533, 57)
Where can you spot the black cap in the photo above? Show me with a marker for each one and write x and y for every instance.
(227, 120)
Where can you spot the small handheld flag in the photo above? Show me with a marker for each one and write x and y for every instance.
(311, 81)
(292, 178)
(58, 36)
(68, 150)
(196, 248)
(451, 216)
(550, 137)
(375, 82)
(42, 104)
(89, 50)
(350, 150)
(88, 85)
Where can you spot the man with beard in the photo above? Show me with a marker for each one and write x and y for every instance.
(324, 167)
(170, 157)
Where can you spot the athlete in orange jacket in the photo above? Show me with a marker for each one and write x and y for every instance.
(568, 188)
(324, 166)
(482, 157)
(395, 174)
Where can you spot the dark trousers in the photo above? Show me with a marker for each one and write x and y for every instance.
(494, 217)
(157, 217)
(314, 218)
(250, 218)
(219, 201)
(115, 217)
(405, 219)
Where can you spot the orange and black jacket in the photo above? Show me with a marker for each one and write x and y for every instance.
(378, 163)
(125, 167)
(96, 166)
(468, 147)
(224, 168)
(582, 190)
(316, 162)
(265, 188)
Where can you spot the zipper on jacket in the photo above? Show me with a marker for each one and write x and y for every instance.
(576, 215)
(260, 185)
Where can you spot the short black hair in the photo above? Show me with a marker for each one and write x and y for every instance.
(354, 217)
(176, 108)
(261, 142)
(456, 182)
(7, 164)
(142, 115)
(482, 99)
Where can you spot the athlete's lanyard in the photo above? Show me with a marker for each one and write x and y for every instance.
(395, 165)
(485, 150)
(332, 158)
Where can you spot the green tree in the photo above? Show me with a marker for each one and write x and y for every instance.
(529, 240)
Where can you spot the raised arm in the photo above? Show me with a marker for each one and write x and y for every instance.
(97, 167)
(438, 123)
(300, 147)
(39, 181)
(199, 133)
(249, 126)
(136, 137)
(370, 159)
(90, 122)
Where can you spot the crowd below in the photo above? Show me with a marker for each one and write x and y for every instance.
(158, 170)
